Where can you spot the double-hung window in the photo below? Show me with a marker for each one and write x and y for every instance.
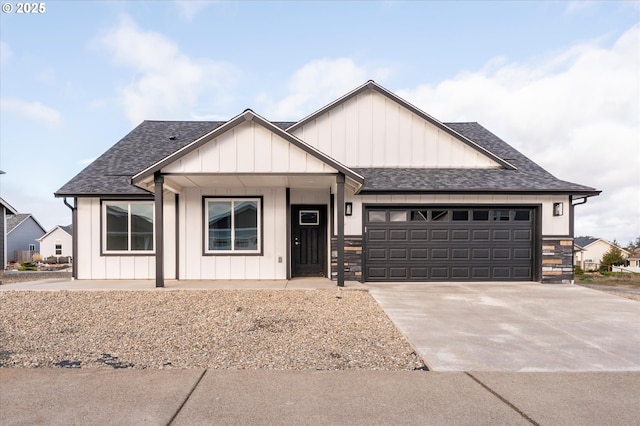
(128, 227)
(233, 225)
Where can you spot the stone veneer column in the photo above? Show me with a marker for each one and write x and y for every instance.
(352, 258)
(557, 258)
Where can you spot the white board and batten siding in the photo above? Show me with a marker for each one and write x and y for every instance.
(551, 225)
(248, 148)
(371, 130)
(92, 264)
(269, 265)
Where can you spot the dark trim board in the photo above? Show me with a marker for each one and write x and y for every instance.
(288, 217)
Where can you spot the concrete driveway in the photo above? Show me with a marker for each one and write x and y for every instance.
(514, 326)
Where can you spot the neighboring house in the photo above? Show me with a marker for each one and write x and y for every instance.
(588, 252)
(5, 209)
(57, 242)
(634, 261)
(23, 231)
(369, 182)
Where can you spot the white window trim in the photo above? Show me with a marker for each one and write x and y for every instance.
(104, 229)
(232, 200)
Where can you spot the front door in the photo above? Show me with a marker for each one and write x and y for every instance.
(308, 241)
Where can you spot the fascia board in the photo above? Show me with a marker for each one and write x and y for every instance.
(8, 206)
(475, 191)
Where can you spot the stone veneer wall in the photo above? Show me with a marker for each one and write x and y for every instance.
(352, 258)
(557, 260)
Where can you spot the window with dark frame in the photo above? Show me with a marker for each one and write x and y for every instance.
(128, 227)
(233, 225)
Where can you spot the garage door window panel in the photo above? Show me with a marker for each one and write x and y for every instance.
(460, 215)
(377, 216)
(398, 216)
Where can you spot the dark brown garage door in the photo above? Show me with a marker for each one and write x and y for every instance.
(456, 244)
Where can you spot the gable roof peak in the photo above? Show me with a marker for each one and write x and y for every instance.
(248, 114)
(372, 85)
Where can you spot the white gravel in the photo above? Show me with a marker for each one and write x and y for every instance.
(219, 329)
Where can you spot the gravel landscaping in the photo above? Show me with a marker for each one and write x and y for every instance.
(219, 329)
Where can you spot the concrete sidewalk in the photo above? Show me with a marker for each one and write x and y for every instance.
(188, 397)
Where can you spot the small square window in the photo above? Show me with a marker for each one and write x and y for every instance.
(309, 217)
(398, 216)
(460, 215)
(481, 215)
(440, 215)
(501, 215)
(419, 215)
(377, 216)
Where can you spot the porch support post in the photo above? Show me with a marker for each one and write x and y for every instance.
(158, 181)
(340, 237)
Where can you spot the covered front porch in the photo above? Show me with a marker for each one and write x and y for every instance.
(272, 227)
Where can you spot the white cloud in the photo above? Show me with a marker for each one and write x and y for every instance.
(31, 110)
(190, 8)
(577, 113)
(167, 83)
(5, 53)
(318, 83)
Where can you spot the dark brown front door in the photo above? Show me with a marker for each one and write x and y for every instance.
(308, 241)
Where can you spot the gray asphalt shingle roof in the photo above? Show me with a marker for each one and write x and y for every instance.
(152, 141)
(584, 241)
(145, 145)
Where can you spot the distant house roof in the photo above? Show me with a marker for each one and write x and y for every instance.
(8, 207)
(14, 220)
(584, 241)
(68, 229)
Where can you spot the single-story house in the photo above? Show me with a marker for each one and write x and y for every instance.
(5, 209)
(23, 232)
(368, 188)
(589, 252)
(57, 242)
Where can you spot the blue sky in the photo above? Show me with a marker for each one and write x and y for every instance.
(557, 80)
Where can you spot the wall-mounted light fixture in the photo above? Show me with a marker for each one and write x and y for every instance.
(348, 209)
(558, 209)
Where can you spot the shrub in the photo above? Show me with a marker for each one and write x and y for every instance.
(37, 257)
(577, 269)
(27, 266)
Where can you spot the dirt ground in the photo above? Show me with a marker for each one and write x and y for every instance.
(625, 285)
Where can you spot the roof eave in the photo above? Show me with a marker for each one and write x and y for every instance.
(103, 195)
(584, 194)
